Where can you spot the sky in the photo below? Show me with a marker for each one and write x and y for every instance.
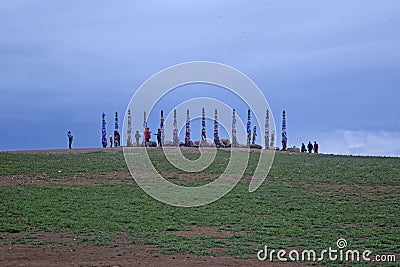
(332, 65)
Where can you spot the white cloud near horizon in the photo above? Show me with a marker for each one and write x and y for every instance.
(359, 142)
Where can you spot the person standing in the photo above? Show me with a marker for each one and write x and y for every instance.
(310, 147)
(70, 139)
(315, 147)
(303, 148)
(159, 137)
(147, 134)
(137, 136)
(111, 141)
(116, 140)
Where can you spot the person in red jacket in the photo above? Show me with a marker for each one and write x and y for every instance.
(315, 147)
(111, 141)
(116, 140)
(147, 134)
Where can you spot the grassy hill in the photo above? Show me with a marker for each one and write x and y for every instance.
(307, 202)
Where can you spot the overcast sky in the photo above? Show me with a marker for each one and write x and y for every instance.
(332, 65)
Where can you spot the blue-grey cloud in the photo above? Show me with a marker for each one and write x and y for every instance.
(331, 64)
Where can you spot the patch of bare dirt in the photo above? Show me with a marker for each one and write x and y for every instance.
(185, 177)
(64, 249)
(213, 231)
(220, 251)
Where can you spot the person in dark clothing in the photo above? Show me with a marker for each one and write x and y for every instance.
(315, 147)
(303, 148)
(310, 147)
(158, 134)
(70, 139)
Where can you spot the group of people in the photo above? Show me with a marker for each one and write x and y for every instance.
(310, 147)
(147, 136)
(117, 138)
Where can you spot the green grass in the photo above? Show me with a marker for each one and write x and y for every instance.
(307, 202)
(89, 164)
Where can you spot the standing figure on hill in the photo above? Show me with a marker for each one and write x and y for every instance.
(315, 147)
(111, 141)
(203, 135)
(116, 138)
(159, 135)
(303, 148)
(310, 147)
(137, 137)
(147, 134)
(70, 139)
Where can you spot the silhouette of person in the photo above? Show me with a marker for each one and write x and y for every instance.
(303, 148)
(158, 134)
(310, 147)
(315, 147)
(70, 139)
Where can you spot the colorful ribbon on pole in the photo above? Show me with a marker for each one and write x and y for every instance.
(162, 127)
(203, 126)
(116, 132)
(284, 135)
(266, 135)
(188, 142)
(248, 128)
(254, 135)
(103, 130)
(129, 131)
(144, 126)
(175, 135)
(216, 134)
(234, 139)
